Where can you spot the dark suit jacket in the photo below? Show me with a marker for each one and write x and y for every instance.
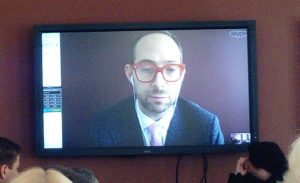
(190, 125)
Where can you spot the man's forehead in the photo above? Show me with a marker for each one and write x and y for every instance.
(157, 46)
(155, 38)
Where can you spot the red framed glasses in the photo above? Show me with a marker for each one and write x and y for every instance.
(146, 72)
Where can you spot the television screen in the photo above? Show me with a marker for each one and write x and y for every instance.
(145, 88)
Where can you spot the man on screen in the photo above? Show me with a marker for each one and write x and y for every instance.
(156, 115)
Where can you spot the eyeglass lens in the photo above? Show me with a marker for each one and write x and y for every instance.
(147, 72)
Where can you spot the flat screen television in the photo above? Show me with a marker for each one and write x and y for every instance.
(80, 76)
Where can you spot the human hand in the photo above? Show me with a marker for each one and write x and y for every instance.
(241, 166)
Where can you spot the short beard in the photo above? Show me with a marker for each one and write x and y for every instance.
(152, 111)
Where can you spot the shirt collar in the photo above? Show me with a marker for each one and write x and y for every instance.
(146, 121)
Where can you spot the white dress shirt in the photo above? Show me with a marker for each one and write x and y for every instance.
(145, 122)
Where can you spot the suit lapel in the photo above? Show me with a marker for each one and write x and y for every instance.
(177, 132)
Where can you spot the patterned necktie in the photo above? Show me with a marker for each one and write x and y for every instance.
(155, 135)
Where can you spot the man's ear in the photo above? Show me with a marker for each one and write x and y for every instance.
(128, 71)
(3, 171)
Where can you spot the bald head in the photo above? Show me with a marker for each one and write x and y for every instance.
(157, 47)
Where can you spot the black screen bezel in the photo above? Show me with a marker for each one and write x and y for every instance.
(120, 151)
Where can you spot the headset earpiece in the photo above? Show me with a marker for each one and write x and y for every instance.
(131, 79)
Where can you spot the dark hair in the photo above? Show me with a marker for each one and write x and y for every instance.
(76, 175)
(9, 151)
(268, 156)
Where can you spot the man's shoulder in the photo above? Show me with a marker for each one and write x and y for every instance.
(192, 107)
(122, 109)
(197, 122)
(126, 104)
